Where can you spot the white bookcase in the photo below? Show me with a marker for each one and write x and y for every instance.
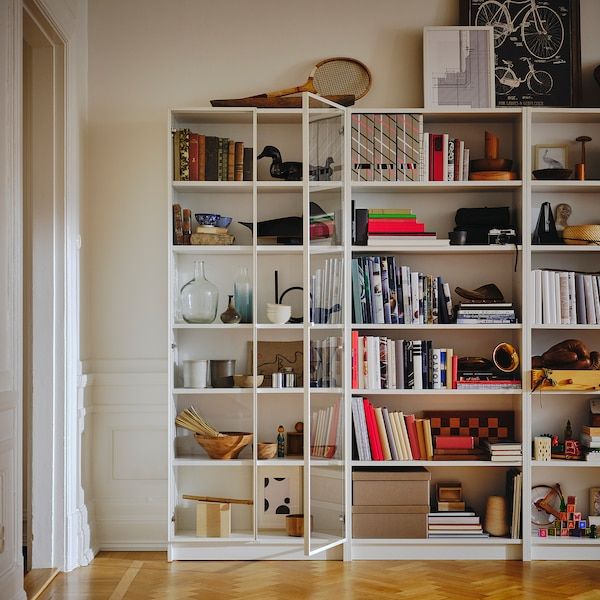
(327, 484)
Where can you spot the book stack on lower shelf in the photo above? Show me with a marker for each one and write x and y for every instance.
(396, 227)
(472, 313)
(501, 451)
(488, 379)
(454, 524)
(590, 441)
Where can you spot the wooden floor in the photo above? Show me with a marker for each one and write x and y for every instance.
(148, 576)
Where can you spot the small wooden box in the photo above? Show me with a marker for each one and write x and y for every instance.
(213, 519)
(449, 492)
(295, 443)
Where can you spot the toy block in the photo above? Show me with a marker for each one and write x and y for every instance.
(571, 500)
(564, 524)
(543, 532)
(570, 508)
(563, 516)
(570, 516)
(583, 524)
(552, 532)
(577, 516)
(564, 533)
(571, 525)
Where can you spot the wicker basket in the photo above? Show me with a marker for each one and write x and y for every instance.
(227, 447)
(581, 235)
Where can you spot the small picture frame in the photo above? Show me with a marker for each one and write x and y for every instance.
(279, 494)
(551, 156)
(458, 67)
(594, 509)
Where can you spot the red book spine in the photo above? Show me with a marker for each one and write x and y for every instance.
(201, 157)
(395, 226)
(451, 442)
(355, 360)
(454, 370)
(413, 439)
(374, 441)
(430, 157)
(437, 155)
(193, 157)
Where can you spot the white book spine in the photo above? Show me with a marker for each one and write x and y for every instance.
(363, 428)
(563, 281)
(572, 299)
(546, 298)
(357, 429)
(557, 298)
(538, 319)
(596, 298)
(589, 300)
(402, 423)
(466, 158)
(414, 293)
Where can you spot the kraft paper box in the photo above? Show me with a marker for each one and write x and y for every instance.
(408, 487)
(407, 522)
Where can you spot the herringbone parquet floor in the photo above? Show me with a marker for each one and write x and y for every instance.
(148, 576)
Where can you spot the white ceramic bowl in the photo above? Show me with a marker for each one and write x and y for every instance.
(279, 313)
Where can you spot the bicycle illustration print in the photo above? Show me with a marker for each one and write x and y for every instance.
(539, 82)
(540, 27)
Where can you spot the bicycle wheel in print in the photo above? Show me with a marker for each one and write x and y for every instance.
(495, 14)
(502, 75)
(542, 32)
(540, 82)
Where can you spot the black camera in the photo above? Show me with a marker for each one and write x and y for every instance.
(502, 236)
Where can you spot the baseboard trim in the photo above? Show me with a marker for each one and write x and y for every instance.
(132, 547)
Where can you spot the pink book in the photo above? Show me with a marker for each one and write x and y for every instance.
(413, 439)
(394, 226)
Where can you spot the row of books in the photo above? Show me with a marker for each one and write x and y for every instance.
(380, 434)
(472, 313)
(565, 297)
(198, 157)
(382, 363)
(514, 486)
(326, 291)
(387, 147)
(590, 442)
(326, 432)
(383, 291)
(326, 362)
(445, 158)
(455, 524)
(492, 379)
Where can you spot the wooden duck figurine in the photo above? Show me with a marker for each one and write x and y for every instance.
(290, 170)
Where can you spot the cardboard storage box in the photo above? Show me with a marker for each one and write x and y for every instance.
(397, 487)
(400, 522)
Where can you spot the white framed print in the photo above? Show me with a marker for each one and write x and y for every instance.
(552, 156)
(279, 494)
(458, 67)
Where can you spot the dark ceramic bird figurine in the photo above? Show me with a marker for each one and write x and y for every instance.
(290, 170)
(324, 173)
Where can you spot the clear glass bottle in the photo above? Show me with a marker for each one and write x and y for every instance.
(199, 297)
(242, 291)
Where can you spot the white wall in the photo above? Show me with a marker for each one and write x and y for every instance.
(146, 56)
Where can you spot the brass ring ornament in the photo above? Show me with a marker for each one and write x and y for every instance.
(506, 357)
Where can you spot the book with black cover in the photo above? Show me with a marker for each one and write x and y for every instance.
(211, 144)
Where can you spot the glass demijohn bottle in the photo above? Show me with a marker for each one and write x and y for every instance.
(242, 291)
(199, 297)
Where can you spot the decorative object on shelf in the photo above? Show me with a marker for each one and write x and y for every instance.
(273, 356)
(506, 357)
(279, 298)
(280, 442)
(248, 381)
(546, 174)
(545, 230)
(266, 450)
(199, 297)
(230, 315)
(568, 430)
(542, 447)
(294, 525)
(289, 170)
(551, 156)
(284, 379)
(337, 76)
(458, 67)
(279, 494)
(582, 235)
(530, 34)
(213, 515)
(594, 508)
(324, 173)
(278, 313)
(563, 212)
(495, 522)
(195, 373)
(569, 354)
(226, 447)
(221, 372)
(546, 504)
(208, 219)
(488, 293)
(295, 443)
(478, 222)
(491, 168)
(558, 380)
(242, 291)
(580, 166)
(299, 427)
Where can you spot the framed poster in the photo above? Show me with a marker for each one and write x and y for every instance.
(537, 49)
(458, 67)
(279, 494)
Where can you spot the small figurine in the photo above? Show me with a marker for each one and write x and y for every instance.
(563, 212)
(290, 170)
(568, 431)
(280, 442)
(299, 427)
(593, 532)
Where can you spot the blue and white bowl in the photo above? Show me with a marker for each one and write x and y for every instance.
(210, 219)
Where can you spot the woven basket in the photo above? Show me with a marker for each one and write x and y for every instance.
(581, 235)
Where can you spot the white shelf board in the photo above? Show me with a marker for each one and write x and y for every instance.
(273, 536)
(189, 536)
(569, 464)
(567, 327)
(278, 186)
(280, 462)
(281, 249)
(214, 186)
(356, 392)
(315, 249)
(491, 541)
(422, 249)
(202, 250)
(434, 186)
(191, 461)
(556, 248)
(277, 326)
(211, 391)
(434, 463)
(325, 326)
(212, 326)
(563, 541)
(326, 391)
(549, 392)
(280, 391)
(441, 327)
(324, 186)
(224, 114)
(569, 186)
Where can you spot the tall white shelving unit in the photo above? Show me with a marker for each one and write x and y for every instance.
(327, 485)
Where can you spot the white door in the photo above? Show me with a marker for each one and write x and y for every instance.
(11, 561)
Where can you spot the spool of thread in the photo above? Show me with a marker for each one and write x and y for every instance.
(495, 516)
(195, 373)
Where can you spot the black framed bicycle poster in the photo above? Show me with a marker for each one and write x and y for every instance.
(537, 49)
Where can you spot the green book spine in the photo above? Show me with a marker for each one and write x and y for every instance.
(391, 216)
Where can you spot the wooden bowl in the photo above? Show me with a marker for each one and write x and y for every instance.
(552, 173)
(267, 450)
(227, 447)
(247, 381)
(491, 164)
(294, 525)
(492, 176)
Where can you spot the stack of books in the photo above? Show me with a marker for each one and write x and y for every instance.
(456, 447)
(455, 524)
(476, 313)
(503, 451)
(397, 226)
(492, 379)
(211, 236)
(445, 158)
(380, 434)
(326, 432)
(590, 440)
